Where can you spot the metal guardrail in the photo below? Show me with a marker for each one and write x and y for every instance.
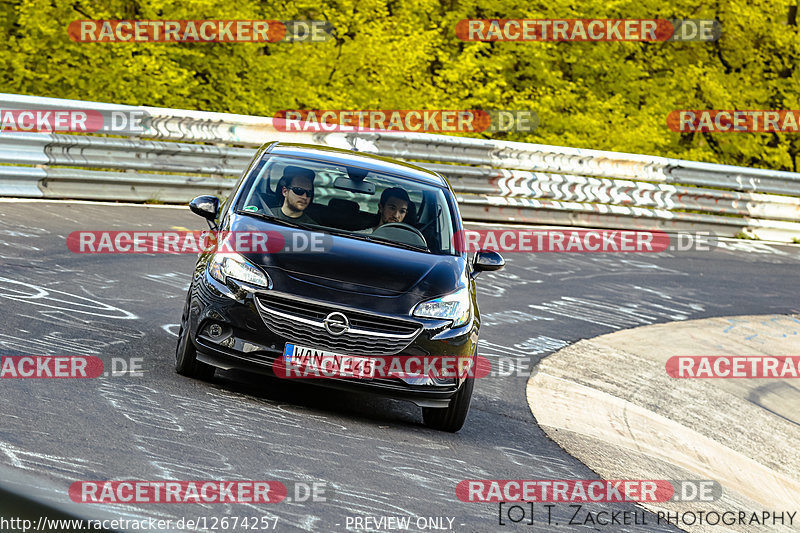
(179, 154)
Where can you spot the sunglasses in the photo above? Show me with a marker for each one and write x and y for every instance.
(299, 191)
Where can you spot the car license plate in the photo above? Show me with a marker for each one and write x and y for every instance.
(323, 363)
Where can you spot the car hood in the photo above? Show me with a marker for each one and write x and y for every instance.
(352, 271)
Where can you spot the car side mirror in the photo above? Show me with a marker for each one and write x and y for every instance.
(206, 206)
(487, 261)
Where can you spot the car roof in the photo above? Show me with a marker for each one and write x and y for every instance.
(375, 163)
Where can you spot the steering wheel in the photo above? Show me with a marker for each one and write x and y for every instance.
(406, 227)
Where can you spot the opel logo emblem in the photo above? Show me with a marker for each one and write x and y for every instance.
(336, 323)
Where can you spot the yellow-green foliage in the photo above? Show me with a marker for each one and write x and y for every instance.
(404, 54)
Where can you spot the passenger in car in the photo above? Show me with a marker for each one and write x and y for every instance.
(392, 207)
(297, 188)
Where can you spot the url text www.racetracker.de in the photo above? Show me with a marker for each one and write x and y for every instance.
(580, 515)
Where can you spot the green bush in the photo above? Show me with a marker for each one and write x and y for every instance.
(404, 54)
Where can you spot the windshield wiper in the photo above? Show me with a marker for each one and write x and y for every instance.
(359, 236)
(325, 229)
(405, 245)
(272, 218)
(370, 238)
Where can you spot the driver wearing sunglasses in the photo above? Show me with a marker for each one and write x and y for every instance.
(298, 191)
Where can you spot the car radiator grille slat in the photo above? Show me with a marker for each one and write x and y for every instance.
(300, 322)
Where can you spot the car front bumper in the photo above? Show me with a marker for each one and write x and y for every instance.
(230, 332)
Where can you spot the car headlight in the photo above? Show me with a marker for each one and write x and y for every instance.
(224, 265)
(454, 306)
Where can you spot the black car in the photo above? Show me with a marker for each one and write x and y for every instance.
(386, 279)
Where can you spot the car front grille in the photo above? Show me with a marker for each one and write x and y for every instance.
(301, 322)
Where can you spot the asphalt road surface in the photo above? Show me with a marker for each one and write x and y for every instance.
(372, 456)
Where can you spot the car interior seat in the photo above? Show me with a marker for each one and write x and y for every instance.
(346, 214)
(275, 198)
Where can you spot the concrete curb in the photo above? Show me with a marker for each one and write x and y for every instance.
(609, 402)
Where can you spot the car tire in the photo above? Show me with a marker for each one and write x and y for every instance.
(452, 417)
(186, 363)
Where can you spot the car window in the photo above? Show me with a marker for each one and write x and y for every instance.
(347, 200)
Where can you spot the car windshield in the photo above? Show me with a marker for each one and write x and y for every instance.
(350, 201)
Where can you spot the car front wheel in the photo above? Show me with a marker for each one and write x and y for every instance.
(186, 363)
(452, 417)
